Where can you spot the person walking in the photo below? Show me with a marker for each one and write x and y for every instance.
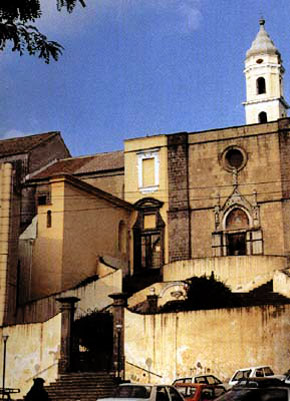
(37, 391)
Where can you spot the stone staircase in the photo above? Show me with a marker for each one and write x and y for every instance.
(262, 295)
(85, 386)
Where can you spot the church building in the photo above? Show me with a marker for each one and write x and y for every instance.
(106, 247)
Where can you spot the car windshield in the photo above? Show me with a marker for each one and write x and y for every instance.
(268, 371)
(132, 392)
(242, 374)
(265, 394)
(183, 380)
(186, 392)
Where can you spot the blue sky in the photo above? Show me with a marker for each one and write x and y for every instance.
(132, 68)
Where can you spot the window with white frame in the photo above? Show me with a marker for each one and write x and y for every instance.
(148, 170)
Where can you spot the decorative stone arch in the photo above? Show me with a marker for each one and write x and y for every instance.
(236, 222)
(148, 232)
(237, 207)
(237, 227)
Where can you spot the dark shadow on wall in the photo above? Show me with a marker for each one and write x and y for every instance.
(207, 293)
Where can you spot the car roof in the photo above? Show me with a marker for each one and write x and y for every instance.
(254, 367)
(194, 385)
(261, 382)
(145, 384)
(190, 377)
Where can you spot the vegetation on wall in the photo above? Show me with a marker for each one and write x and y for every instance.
(209, 293)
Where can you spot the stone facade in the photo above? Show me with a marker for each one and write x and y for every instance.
(179, 246)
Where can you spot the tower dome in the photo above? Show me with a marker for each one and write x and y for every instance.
(264, 80)
(262, 44)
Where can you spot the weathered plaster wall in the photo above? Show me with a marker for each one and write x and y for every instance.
(281, 282)
(93, 296)
(5, 234)
(133, 148)
(84, 226)
(112, 182)
(32, 350)
(216, 341)
(239, 273)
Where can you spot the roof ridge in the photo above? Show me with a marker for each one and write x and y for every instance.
(91, 155)
(29, 136)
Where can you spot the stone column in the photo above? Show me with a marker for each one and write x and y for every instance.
(67, 309)
(120, 302)
(152, 300)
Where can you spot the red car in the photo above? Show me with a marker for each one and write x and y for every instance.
(199, 391)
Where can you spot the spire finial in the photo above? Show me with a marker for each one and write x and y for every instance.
(262, 21)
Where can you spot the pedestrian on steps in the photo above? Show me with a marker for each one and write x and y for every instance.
(37, 391)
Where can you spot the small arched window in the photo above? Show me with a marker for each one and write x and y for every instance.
(261, 85)
(263, 117)
(48, 219)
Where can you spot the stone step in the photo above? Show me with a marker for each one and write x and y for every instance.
(87, 386)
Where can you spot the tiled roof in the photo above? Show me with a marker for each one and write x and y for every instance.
(23, 144)
(83, 165)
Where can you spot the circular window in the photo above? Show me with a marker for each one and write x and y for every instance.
(234, 157)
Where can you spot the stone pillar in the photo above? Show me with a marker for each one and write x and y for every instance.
(152, 300)
(120, 303)
(67, 309)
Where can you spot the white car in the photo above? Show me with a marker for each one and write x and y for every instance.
(144, 392)
(206, 379)
(254, 371)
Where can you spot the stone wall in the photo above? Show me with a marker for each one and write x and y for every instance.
(31, 350)
(210, 180)
(178, 213)
(93, 296)
(6, 235)
(214, 341)
(240, 274)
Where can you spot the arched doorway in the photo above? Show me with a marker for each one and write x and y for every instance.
(93, 342)
(237, 224)
(148, 236)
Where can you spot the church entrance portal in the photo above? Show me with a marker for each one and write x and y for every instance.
(237, 223)
(237, 244)
(93, 342)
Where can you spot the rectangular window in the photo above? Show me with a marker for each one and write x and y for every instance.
(42, 199)
(148, 172)
(149, 221)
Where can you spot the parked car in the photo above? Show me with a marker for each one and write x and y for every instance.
(199, 391)
(144, 392)
(254, 371)
(258, 389)
(206, 379)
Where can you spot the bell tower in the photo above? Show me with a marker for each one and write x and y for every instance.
(264, 80)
